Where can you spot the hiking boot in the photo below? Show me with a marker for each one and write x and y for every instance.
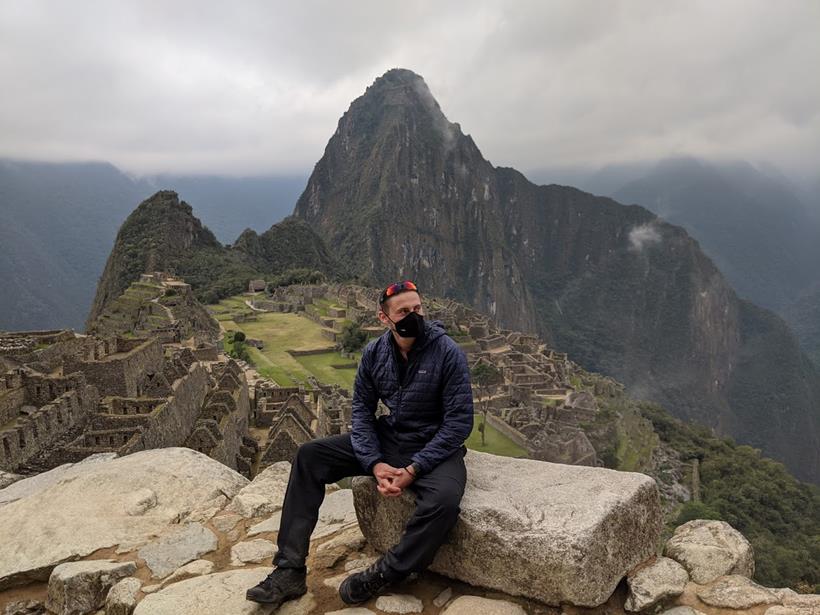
(372, 581)
(279, 586)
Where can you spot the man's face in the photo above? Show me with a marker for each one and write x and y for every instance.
(399, 306)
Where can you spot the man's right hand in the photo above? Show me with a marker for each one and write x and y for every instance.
(385, 475)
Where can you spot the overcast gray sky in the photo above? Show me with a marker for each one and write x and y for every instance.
(257, 87)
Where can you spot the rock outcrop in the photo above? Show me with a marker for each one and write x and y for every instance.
(547, 531)
(711, 549)
(86, 509)
(531, 514)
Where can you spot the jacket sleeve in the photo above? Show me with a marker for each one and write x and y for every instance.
(363, 436)
(457, 422)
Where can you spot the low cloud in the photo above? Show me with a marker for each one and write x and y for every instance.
(193, 86)
(642, 236)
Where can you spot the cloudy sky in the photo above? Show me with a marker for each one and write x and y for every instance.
(257, 87)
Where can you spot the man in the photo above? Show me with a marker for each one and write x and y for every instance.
(422, 377)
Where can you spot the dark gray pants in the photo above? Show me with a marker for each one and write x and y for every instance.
(327, 460)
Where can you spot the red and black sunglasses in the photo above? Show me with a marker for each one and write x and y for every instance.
(395, 289)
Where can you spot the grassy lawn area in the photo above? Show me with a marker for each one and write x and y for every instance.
(281, 332)
(320, 366)
(497, 442)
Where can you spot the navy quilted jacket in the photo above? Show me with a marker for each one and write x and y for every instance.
(431, 413)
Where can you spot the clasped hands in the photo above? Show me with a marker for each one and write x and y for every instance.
(391, 481)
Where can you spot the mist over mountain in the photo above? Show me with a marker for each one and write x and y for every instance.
(60, 221)
(760, 228)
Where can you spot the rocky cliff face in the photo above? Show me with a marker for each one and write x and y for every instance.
(162, 234)
(402, 192)
(155, 237)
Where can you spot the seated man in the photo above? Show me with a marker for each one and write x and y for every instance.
(421, 374)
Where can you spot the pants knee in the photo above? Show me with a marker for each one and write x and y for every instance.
(306, 451)
(447, 504)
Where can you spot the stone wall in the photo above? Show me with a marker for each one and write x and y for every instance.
(36, 432)
(11, 399)
(512, 433)
(171, 423)
(123, 372)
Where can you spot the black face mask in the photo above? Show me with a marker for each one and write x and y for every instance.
(410, 326)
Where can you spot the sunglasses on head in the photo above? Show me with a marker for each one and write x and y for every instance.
(397, 288)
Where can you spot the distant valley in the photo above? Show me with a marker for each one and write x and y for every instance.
(60, 220)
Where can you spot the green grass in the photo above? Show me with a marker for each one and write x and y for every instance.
(269, 369)
(497, 442)
(279, 333)
(320, 366)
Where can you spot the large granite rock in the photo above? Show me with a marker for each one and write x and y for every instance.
(90, 506)
(222, 593)
(710, 549)
(552, 532)
(34, 484)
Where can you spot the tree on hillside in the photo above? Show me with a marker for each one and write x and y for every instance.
(484, 376)
(352, 337)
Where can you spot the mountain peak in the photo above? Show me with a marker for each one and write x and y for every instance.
(401, 96)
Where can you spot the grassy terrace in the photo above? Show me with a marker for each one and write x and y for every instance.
(497, 442)
(281, 332)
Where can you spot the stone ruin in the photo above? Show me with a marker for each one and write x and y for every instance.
(295, 415)
(536, 405)
(122, 395)
(157, 305)
(65, 396)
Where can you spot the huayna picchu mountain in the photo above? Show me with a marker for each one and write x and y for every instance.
(401, 192)
(162, 234)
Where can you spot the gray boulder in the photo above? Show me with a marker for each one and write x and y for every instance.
(77, 588)
(663, 578)
(176, 547)
(710, 549)
(556, 533)
(122, 598)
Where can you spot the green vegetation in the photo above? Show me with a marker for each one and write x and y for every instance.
(779, 515)
(280, 333)
(235, 346)
(497, 442)
(483, 376)
(352, 337)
